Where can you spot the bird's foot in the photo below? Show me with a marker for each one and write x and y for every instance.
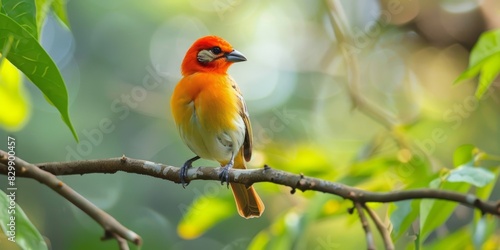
(184, 170)
(224, 173)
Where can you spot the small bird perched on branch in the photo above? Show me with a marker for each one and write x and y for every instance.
(212, 117)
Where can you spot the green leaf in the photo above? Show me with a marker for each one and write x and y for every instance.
(203, 214)
(463, 154)
(484, 59)
(434, 213)
(59, 7)
(26, 235)
(480, 232)
(29, 57)
(468, 73)
(23, 12)
(403, 214)
(485, 192)
(487, 45)
(458, 239)
(484, 227)
(476, 176)
(42, 8)
(489, 72)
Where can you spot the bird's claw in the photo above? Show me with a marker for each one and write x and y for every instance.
(183, 174)
(184, 170)
(224, 174)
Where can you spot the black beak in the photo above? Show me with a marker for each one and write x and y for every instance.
(235, 56)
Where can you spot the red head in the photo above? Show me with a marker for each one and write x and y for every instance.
(210, 54)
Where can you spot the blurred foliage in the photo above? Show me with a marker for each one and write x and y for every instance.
(195, 221)
(484, 60)
(121, 60)
(13, 97)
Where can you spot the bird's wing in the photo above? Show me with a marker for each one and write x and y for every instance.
(247, 144)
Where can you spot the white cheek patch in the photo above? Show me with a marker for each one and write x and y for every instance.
(205, 56)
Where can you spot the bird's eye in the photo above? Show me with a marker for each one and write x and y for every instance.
(216, 50)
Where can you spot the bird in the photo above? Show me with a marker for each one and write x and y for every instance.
(212, 117)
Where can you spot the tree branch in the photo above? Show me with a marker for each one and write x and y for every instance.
(366, 225)
(112, 228)
(251, 176)
(386, 237)
(247, 177)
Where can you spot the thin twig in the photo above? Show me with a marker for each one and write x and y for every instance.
(370, 243)
(122, 243)
(110, 224)
(386, 236)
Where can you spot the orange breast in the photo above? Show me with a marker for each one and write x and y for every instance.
(211, 97)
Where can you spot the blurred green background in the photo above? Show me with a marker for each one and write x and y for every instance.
(121, 61)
